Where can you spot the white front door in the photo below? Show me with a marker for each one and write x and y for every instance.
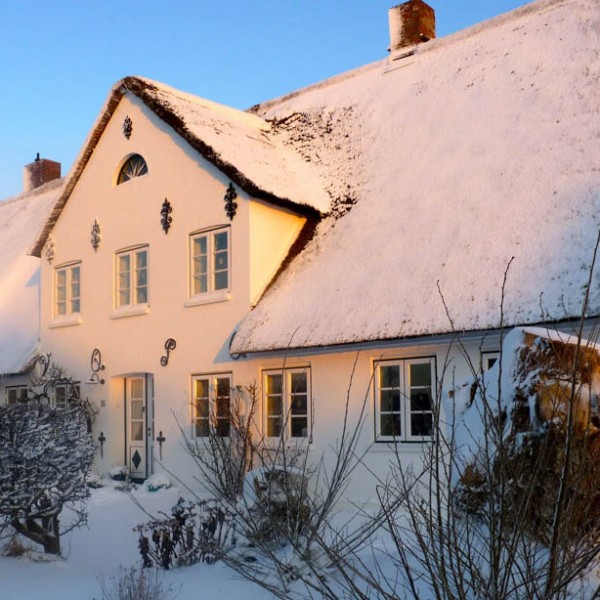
(138, 426)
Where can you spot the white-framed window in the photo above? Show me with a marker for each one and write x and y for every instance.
(67, 290)
(210, 269)
(212, 404)
(64, 393)
(404, 399)
(489, 359)
(134, 166)
(16, 394)
(131, 277)
(287, 402)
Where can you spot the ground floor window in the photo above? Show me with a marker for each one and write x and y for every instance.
(287, 402)
(212, 404)
(404, 399)
(65, 393)
(16, 394)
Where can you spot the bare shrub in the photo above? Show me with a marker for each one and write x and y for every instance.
(196, 531)
(136, 584)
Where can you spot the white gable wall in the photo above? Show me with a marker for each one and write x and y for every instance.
(129, 215)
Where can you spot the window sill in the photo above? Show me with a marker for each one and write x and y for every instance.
(66, 321)
(400, 445)
(131, 310)
(208, 298)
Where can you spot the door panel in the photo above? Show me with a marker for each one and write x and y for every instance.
(138, 427)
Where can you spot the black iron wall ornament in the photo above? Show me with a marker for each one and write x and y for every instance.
(102, 439)
(160, 439)
(165, 216)
(170, 345)
(127, 127)
(95, 235)
(96, 366)
(230, 203)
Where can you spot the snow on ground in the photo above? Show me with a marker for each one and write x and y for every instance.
(96, 553)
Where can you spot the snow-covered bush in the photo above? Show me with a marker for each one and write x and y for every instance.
(276, 504)
(200, 531)
(45, 455)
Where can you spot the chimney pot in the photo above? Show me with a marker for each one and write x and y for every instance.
(411, 23)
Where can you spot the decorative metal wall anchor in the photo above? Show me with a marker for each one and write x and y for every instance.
(50, 251)
(165, 216)
(95, 236)
(127, 127)
(102, 439)
(40, 368)
(96, 366)
(230, 203)
(170, 345)
(160, 439)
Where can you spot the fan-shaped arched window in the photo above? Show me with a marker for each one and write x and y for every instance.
(134, 166)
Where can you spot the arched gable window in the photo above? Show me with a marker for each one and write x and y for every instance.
(134, 166)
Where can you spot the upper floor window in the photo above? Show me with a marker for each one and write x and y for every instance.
(404, 397)
(67, 290)
(132, 277)
(287, 402)
(212, 404)
(210, 264)
(134, 166)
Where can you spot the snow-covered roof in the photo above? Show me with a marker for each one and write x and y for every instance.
(481, 147)
(243, 146)
(21, 220)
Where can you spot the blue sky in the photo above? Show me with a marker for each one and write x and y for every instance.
(61, 57)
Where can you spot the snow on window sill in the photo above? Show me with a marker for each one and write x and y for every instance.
(208, 298)
(130, 310)
(66, 320)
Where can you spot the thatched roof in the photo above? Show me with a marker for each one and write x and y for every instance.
(243, 146)
(481, 147)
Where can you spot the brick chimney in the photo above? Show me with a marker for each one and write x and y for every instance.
(40, 171)
(411, 23)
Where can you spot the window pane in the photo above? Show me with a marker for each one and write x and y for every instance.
(137, 388)
(223, 427)
(221, 261)
(420, 374)
(420, 400)
(389, 400)
(75, 273)
(274, 405)
(221, 280)
(274, 384)
(223, 387)
(299, 383)
(199, 245)
(137, 431)
(201, 388)
(389, 376)
(390, 425)
(200, 284)
(421, 424)
(141, 259)
(137, 411)
(202, 428)
(299, 427)
(202, 408)
(221, 241)
(299, 404)
(274, 426)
